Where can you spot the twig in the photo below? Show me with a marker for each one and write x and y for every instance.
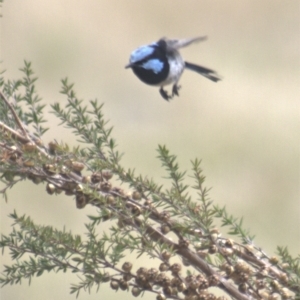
(18, 121)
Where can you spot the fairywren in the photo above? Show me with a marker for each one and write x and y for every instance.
(160, 64)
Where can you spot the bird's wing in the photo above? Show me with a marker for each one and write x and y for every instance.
(176, 44)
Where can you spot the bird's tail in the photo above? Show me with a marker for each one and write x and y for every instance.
(208, 73)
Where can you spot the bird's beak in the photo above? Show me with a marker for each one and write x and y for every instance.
(128, 66)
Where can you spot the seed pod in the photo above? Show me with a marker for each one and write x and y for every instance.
(229, 243)
(166, 255)
(142, 271)
(127, 266)
(163, 267)
(181, 287)
(161, 297)
(81, 200)
(86, 179)
(213, 280)
(114, 285)
(106, 277)
(165, 229)
(29, 147)
(135, 291)
(243, 287)
(77, 166)
(96, 177)
(105, 186)
(50, 188)
(165, 216)
(53, 146)
(160, 278)
(123, 285)
(28, 163)
(49, 168)
(274, 260)
(168, 291)
(151, 274)
(175, 268)
(136, 195)
(183, 243)
(107, 174)
(127, 276)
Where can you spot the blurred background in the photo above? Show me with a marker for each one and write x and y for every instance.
(246, 128)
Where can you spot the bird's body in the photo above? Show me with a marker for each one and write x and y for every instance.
(161, 64)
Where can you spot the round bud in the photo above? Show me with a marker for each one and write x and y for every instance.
(243, 287)
(142, 271)
(49, 168)
(274, 260)
(183, 243)
(259, 284)
(79, 188)
(123, 285)
(166, 255)
(165, 216)
(135, 291)
(151, 274)
(106, 277)
(181, 287)
(229, 243)
(127, 276)
(28, 163)
(165, 229)
(53, 146)
(227, 251)
(50, 188)
(213, 280)
(161, 297)
(136, 195)
(167, 290)
(77, 166)
(110, 200)
(86, 179)
(107, 174)
(96, 177)
(105, 186)
(283, 277)
(201, 254)
(114, 285)
(29, 147)
(212, 249)
(275, 285)
(81, 201)
(163, 267)
(175, 268)
(127, 266)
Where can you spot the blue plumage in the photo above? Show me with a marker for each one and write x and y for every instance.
(160, 64)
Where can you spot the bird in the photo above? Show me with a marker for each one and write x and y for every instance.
(160, 64)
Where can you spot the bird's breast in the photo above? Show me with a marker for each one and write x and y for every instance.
(177, 65)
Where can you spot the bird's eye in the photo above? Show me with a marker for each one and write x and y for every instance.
(154, 65)
(141, 53)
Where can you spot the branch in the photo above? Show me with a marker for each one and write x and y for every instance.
(162, 224)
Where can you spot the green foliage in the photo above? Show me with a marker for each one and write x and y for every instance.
(291, 266)
(165, 224)
(23, 91)
(235, 225)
